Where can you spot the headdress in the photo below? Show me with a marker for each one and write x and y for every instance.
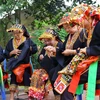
(15, 27)
(65, 19)
(96, 13)
(80, 12)
(49, 34)
(19, 27)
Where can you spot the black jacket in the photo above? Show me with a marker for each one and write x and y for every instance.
(94, 47)
(2, 57)
(24, 57)
(64, 60)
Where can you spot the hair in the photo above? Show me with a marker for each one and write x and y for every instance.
(26, 34)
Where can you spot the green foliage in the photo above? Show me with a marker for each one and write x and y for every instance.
(62, 33)
(46, 10)
(36, 34)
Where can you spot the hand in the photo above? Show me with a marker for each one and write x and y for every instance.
(41, 57)
(83, 50)
(50, 48)
(49, 54)
(15, 52)
(30, 48)
(68, 52)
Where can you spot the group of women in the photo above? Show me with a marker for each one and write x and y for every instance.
(64, 65)
(75, 62)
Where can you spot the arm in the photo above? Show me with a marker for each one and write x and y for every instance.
(33, 47)
(41, 55)
(94, 47)
(10, 52)
(8, 49)
(2, 57)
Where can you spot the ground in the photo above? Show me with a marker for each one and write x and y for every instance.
(23, 96)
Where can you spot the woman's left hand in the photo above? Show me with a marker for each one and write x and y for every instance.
(68, 52)
(30, 48)
(83, 50)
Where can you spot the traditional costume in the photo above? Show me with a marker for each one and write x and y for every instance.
(48, 65)
(40, 85)
(3, 77)
(19, 65)
(90, 62)
(73, 42)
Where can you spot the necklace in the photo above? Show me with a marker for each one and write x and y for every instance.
(71, 40)
(17, 43)
(89, 36)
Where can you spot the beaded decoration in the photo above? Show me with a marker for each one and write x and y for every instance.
(15, 27)
(16, 44)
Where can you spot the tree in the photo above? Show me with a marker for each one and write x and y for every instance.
(7, 8)
(48, 11)
(76, 2)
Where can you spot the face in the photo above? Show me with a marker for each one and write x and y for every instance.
(49, 41)
(74, 29)
(70, 29)
(67, 27)
(17, 34)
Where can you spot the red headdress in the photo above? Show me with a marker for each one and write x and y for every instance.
(64, 20)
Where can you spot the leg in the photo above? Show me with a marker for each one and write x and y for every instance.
(13, 86)
(12, 95)
(26, 79)
(12, 89)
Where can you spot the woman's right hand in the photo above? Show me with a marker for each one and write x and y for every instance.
(15, 52)
(50, 48)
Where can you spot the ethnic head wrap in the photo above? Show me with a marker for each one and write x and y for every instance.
(49, 34)
(96, 13)
(64, 20)
(80, 12)
(20, 28)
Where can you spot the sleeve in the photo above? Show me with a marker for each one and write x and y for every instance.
(42, 52)
(59, 55)
(94, 48)
(34, 47)
(8, 50)
(93, 51)
(61, 46)
(2, 57)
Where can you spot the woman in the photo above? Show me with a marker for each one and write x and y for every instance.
(50, 38)
(74, 40)
(88, 68)
(18, 51)
(3, 78)
(93, 49)
(49, 61)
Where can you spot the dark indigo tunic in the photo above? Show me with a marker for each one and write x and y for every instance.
(2, 57)
(23, 58)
